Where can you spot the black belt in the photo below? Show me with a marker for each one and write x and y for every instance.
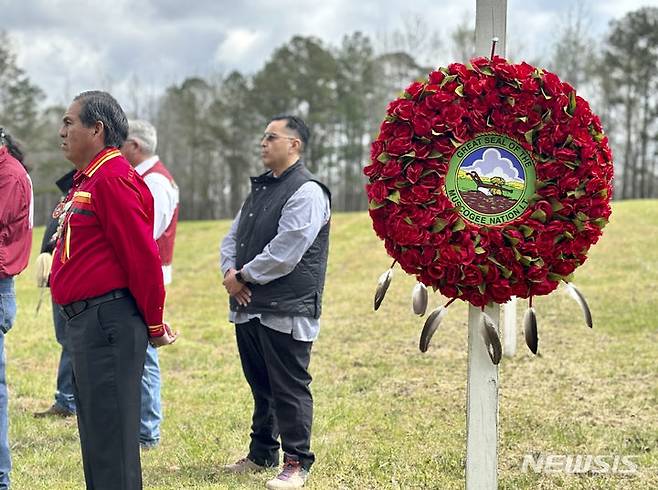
(77, 307)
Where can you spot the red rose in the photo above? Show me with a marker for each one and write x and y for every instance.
(474, 86)
(475, 297)
(443, 146)
(545, 207)
(377, 191)
(373, 170)
(566, 154)
(420, 195)
(375, 149)
(439, 99)
(410, 259)
(492, 274)
(541, 288)
(568, 183)
(391, 169)
(422, 217)
(564, 267)
(436, 77)
(422, 125)
(427, 256)
(380, 226)
(406, 234)
(402, 130)
(448, 290)
(519, 288)
(425, 109)
(552, 84)
(452, 115)
(459, 69)
(415, 89)
(398, 146)
(477, 121)
(472, 275)
(413, 172)
(421, 149)
(506, 71)
(499, 291)
(480, 62)
(452, 274)
(404, 109)
(537, 274)
(436, 272)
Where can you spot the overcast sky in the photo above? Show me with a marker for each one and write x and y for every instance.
(67, 46)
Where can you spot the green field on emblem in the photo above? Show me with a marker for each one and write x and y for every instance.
(466, 184)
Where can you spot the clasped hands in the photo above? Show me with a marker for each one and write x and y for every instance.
(236, 289)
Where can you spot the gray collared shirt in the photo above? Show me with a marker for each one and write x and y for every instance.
(302, 217)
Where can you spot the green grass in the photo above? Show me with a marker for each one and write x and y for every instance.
(386, 416)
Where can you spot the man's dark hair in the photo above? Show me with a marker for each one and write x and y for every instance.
(13, 147)
(297, 124)
(101, 106)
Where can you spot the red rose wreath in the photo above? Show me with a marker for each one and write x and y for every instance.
(568, 181)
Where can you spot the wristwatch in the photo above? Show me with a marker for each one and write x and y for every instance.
(238, 276)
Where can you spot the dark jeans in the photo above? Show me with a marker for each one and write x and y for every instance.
(276, 368)
(108, 345)
(64, 394)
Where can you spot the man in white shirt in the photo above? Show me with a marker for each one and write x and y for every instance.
(139, 150)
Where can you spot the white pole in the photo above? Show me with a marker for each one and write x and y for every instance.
(482, 389)
(481, 406)
(509, 330)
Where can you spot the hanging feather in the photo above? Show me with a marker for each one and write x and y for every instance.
(431, 324)
(419, 299)
(491, 339)
(530, 329)
(382, 286)
(582, 302)
(43, 264)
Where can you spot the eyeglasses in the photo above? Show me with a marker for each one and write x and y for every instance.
(269, 137)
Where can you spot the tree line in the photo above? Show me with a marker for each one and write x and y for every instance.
(209, 128)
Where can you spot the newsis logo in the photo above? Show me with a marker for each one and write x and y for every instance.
(579, 464)
(490, 179)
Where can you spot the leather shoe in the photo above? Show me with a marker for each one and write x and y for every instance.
(55, 410)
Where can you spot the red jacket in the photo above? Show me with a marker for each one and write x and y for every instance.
(15, 215)
(106, 239)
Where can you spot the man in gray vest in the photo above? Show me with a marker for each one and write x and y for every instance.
(274, 260)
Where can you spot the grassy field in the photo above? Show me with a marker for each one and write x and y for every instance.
(387, 416)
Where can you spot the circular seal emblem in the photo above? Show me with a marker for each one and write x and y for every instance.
(490, 179)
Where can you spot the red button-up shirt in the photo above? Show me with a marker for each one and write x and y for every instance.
(15, 215)
(106, 239)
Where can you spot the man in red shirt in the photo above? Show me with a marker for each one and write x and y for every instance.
(15, 243)
(106, 275)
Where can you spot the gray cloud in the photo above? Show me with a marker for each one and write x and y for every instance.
(67, 46)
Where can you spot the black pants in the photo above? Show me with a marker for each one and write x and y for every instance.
(108, 346)
(276, 368)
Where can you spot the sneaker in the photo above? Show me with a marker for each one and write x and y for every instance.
(292, 476)
(148, 445)
(55, 410)
(244, 465)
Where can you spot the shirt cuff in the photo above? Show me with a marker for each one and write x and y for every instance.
(246, 275)
(156, 330)
(226, 266)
